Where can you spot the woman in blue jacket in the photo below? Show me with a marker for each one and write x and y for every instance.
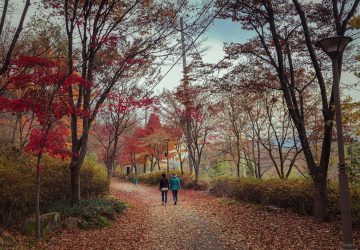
(175, 187)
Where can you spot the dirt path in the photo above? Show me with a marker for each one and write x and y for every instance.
(199, 221)
(176, 226)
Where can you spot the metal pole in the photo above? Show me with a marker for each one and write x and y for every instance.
(347, 231)
(167, 157)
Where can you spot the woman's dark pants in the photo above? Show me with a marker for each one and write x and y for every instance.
(164, 196)
(175, 197)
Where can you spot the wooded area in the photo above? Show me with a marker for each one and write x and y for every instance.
(80, 106)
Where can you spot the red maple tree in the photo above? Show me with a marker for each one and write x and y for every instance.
(43, 85)
(115, 119)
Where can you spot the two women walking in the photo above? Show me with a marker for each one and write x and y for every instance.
(165, 185)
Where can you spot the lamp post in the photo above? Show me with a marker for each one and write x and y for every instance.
(167, 155)
(334, 48)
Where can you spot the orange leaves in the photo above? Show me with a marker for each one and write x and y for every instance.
(351, 117)
(355, 22)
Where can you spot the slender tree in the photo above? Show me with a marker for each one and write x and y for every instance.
(8, 48)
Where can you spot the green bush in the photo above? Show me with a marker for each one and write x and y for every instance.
(93, 180)
(93, 213)
(17, 187)
(17, 184)
(294, 195)
(119, 172)
(219, 169)
(186, 180)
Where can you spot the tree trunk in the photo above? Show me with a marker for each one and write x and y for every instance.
(152, 164)
(196, 168)
(79, 149)
(13, 136)
(181, 168)
(181, 161)
(37, 205)
(75, 182)
(21, 141)
(238, 154)
(238, 169)
(109, 170)
(258, 159)
(112, 156)
(320, 196)
(113, 170)
(197, 172)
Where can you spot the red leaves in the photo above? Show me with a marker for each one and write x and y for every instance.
(40, 81)
(122, 104)
(134, 61)
(51, 142)
(111, 41)
(31, 61)
(55, 4)
(12, 105)
(76, 79)
(145, 141)
(41, 89)
(153, 123)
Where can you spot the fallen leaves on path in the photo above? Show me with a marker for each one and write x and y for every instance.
(253, 227)
(129, 231)
(199, 221)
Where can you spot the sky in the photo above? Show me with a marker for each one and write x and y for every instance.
(222, 31)
(218, 33)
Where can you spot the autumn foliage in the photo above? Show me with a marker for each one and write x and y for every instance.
(39, 86)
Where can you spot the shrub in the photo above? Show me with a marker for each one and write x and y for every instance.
(355, 205)
(93, 213)
(187, 180)
(17, 187)
(148, 178)
(118, 172)
(93, 180)
(221, 168)
(294, 195)
(17, 184)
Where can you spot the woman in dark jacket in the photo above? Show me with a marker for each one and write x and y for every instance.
(164, 187)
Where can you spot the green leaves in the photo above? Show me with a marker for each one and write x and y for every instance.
(93, 213)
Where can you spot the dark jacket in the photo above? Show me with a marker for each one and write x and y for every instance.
(164, 183)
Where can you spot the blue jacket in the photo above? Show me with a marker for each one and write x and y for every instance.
(174, 183)
(134, 180)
